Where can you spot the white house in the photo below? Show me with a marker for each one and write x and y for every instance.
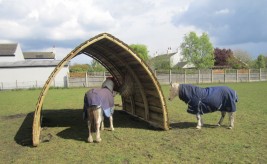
(175, 59)
(29, 69)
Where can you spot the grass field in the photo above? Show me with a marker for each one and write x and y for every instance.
(133, 141)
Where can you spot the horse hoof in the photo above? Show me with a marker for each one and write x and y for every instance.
(218, 124)
(198, 127)
(90, 140)
(230, 127)
(112, 129)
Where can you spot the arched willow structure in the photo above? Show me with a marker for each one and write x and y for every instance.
(147, 101)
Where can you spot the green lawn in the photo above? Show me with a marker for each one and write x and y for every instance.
(133, 141)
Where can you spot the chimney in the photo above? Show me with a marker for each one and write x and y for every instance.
(169, 50)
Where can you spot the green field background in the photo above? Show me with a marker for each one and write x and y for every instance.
(64, 132)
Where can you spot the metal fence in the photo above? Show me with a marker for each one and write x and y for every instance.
(164, 77)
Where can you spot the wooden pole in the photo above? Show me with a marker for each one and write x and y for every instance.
(248, 75)
(236, 75)
(224, 75)
(170, 76)
(211, 76)
(86, 80)
(199, 76)
(260, 74)
(185, 76)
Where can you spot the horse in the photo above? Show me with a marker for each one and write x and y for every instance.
(97, 102)
(206, 100)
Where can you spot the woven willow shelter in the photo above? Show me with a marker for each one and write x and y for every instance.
(146, 102)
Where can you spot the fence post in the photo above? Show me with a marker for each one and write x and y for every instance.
(86, 80)
(170, 76)
(211, 76)
(198, 76)
(185, 76)
(236, 75)
(104, 76)
(224, 75)
(260, 74)
(248, 75)
(67, 81)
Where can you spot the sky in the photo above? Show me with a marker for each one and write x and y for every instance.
(40, 25)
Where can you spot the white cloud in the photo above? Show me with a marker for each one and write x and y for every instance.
(158, 24)
(222, 12)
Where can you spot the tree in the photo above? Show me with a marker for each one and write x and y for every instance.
(222, 57)
(260, 62)
(79, 68)
(161, 62)
(96, 67)
(141, 50)
(198, 50)
(243, 56)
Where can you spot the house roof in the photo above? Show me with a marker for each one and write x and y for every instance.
(165, 56)
(8, 49)
(181, 64)
(39, 55)
(31, 63)
(184, 65)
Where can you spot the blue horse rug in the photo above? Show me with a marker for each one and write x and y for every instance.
(101, 97)
(207, 100)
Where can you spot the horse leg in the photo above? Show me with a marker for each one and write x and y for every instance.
(98, 119)
(111, 123)
(102, 122)
(89, 121)
(231, 119)
(199, 121)
(221, 119)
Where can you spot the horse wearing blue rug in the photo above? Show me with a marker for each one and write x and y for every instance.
(206, 100)
(99, 101)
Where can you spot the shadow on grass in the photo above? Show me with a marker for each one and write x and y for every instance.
(76, 126)
(187, 125)
(24, 134)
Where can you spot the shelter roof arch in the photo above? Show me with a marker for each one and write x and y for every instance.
(147, 102)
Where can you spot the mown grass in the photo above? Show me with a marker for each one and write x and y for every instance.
(133, 141)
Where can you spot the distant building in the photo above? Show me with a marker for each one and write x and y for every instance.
(170, 59)
(28, 69)
(10, 53)
(39, 56)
